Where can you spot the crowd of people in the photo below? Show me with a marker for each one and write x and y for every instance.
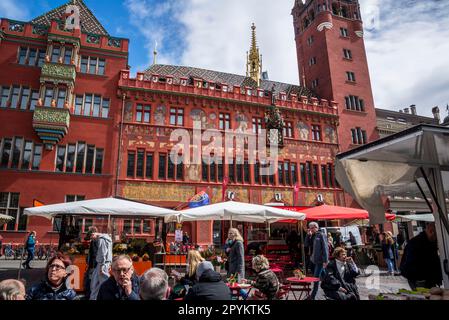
(114, 278)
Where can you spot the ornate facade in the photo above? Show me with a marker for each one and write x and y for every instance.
(75, 124)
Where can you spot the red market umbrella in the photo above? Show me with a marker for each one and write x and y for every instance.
(325, 212)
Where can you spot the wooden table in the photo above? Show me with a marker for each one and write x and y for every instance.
(303, 286)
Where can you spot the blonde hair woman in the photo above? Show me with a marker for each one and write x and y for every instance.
(236, 254)
(387, 243)
(266, 282)
(194, 258)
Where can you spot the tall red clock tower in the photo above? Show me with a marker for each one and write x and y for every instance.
(332, 62)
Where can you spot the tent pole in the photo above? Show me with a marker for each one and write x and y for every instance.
(109, 224)
(302, 249)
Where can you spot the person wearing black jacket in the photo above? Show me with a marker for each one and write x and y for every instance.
(339, 277)
(123, 284)
(209, 287)
(420, 264)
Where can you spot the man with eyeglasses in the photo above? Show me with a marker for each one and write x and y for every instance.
(123, 284)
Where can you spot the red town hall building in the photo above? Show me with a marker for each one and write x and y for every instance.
(74, 123)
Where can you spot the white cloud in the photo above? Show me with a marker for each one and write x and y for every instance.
(408, 55)
(11, 10)
(406, 42)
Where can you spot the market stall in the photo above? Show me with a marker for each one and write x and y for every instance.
(413, 163)
(110, 208)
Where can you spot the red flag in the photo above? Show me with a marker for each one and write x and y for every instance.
(224, 188)
(37, 203)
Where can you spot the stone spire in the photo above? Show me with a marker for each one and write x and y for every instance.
(254, 59)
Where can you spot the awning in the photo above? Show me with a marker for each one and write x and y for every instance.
(412, 163)
(107, 206)
(416, 217)
(326, 212)
(238, 211)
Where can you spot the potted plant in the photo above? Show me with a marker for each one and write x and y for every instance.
(233, 279)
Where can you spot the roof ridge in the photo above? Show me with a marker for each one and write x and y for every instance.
(221, 72)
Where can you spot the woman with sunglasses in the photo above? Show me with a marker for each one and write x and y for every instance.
(54, 286)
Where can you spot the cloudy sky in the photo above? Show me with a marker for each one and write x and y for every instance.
(406, 40)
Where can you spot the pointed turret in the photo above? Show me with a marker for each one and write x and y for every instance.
(254, 59)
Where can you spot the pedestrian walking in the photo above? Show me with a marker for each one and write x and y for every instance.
(319, 258)
(236, 254)
(387, 244)
(91, 260)
(30, 246)
(103, 263)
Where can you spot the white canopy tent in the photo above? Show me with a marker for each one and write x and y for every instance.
(411, 163)
(113, 207)
(417, 217)
(231, 210)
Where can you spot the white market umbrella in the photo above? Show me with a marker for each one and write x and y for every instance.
(417, 217)
(5, 219)
(112, 207)
(231, 210)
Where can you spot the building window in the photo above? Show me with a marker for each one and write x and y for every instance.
(105, 108)
(281, 177)
(149, 166)
(354, 103)
(32, 57)
(17, 154)
(312, 61)
(140, 164)
(314, 83)
(92, 65)
(288, 129)
(131, 164)
(61, 98)
(347, 54)
(23, 55)
(92, 105)
(4, 98)
(316, 132)
(359, 136)
(309, 173)
(310, 40)
(81, 158)
(68, 55)
(15, 96)
(90, 156)
(176, 116)
(294, 173)
(143, 113)
(80, 153)
(49, 92)
(24, 98)
(9, 205)
(34, 99)
(316, 176)
(56, 52)
(257, 125)
(41, 59)
(344, 32)
(162, 166)
(224, 121)
(350, 76)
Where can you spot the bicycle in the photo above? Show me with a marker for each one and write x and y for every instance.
(9, 252)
